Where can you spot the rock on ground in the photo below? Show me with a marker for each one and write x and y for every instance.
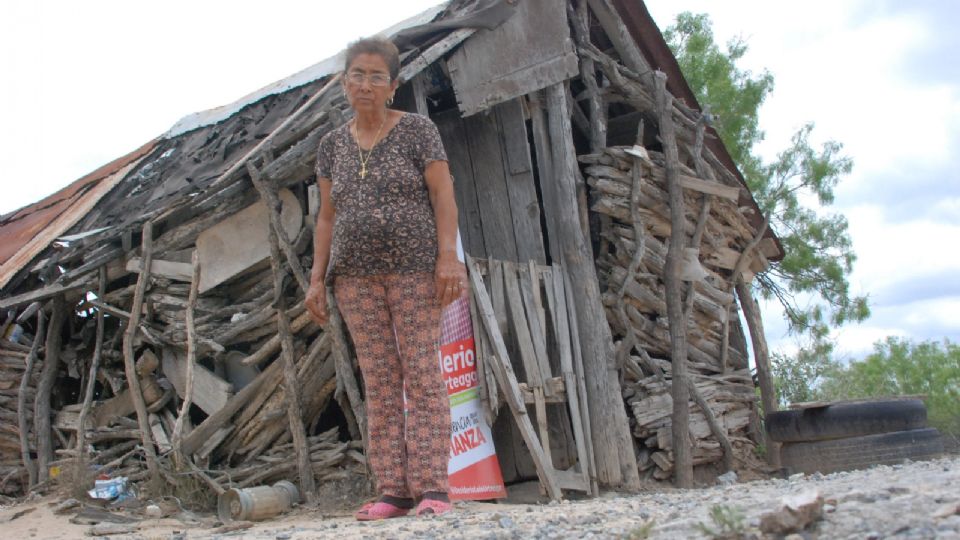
(910, 500)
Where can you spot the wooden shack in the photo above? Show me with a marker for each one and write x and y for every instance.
(587, 179)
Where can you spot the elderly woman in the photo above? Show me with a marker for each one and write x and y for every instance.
(386, 240)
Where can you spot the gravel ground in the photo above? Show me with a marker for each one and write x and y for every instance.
(910, 500)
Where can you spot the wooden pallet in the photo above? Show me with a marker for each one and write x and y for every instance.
(535, 299)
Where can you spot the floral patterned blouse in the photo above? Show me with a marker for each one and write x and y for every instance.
(384, 223)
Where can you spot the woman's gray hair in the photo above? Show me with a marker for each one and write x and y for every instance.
(379, 46)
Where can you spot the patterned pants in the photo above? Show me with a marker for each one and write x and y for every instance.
(408, 457)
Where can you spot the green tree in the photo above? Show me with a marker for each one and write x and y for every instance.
(798, 377)
(900, 367)
(811, 282)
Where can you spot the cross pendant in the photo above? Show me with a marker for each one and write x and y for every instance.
(363, 171)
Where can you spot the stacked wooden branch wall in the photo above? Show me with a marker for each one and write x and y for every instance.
(630, 188)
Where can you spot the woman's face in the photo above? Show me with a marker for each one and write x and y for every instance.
(368, 83)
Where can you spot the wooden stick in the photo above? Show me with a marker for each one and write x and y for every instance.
(177, 435)
(588, 74)
(715, 427)
(683, 460)
(273, 204)
(348, 391)
(266, 142)
(92, 377)
(48, 376)
(500, 362)
(291, 385)
(22, 402)
(133, 379)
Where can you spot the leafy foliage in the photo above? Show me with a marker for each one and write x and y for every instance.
(818, 252)
(797, 378)
(899, 367)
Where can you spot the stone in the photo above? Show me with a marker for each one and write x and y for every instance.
(108, 529)
(66, 506)
(505, 522)
(947, 510)
(153, 511)
(727, 479)
(796, 512)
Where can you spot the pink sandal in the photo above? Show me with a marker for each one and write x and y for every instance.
(378, 510)
(433, 507)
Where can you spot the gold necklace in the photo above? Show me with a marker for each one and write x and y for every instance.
(376, 139)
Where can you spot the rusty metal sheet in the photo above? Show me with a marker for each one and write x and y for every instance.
(28, 231)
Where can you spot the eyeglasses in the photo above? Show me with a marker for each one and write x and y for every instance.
(376, 79)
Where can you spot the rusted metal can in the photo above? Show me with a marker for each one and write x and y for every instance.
(257, 503)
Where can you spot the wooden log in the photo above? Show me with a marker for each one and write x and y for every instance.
(196, 438)
(291, 388)
(92, 376)
(348, 391)
(576, 394)
(683, 470)
(715, 426)
(616, 461)
(273, 204)
(177, 436)
(22, 402)
(133, 380)
(48, 376)
(268, 140)
(588, 74)
(274, 344)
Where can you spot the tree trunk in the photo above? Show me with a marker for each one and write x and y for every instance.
(768, 394)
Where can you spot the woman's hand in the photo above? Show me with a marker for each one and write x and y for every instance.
(316, 303)
(451, 279)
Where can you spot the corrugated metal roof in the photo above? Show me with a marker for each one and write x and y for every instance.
(29, 230)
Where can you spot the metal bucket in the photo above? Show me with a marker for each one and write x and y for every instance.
(257, 503)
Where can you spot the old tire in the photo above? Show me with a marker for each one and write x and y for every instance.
(846, 420)
(860, 452)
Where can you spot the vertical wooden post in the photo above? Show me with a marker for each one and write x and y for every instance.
(22, 402)
(588, 74)
(680, 420)
(291, 385)
(615, 460)
(133, 379)
(91, 378)
(48, 376)
(768, 394)
(177, 436)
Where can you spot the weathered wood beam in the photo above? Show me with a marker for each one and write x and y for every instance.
(616, 461)
(48, 376)
(92, 376)
(177, 435)
(268, 140)
(291, 385)
(22, 402)
(133, 379)
(683, 462)
(500, 362)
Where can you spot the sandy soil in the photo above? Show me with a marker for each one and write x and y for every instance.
(912, 500)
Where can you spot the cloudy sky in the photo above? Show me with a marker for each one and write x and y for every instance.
(85, 82)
